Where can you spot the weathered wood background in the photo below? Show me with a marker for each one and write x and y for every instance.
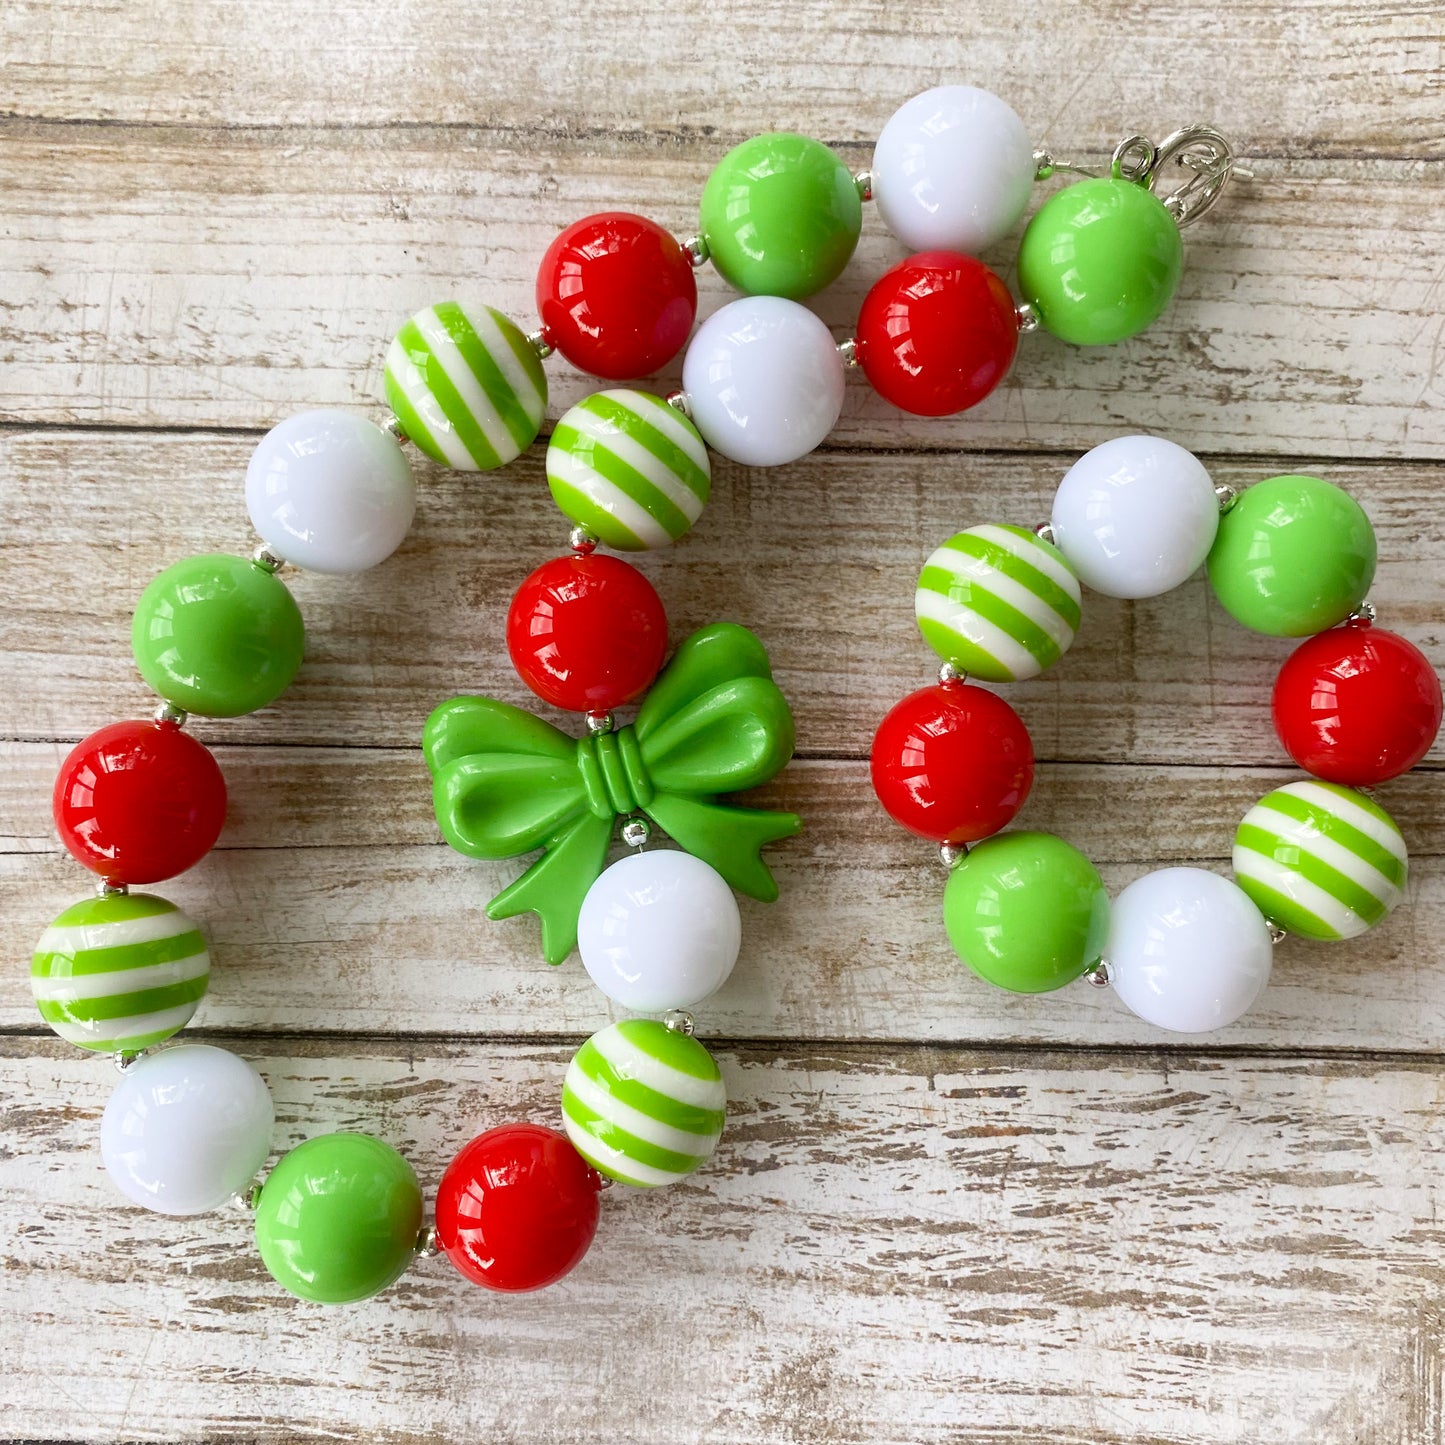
(940, 1213)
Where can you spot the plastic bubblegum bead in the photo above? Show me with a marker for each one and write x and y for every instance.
(120, 973)
(937, 333)
(1357, 705)
(1136, 516)
(1187, 950)
(330, 492)
(517, 1208)
(1026, 911)
(764, 380)
(337, 1219)
(629, 468)
(1100, 261)
(186, 1128)
(780, 216)
(137, 802)
(643, 1104)
(1320, 860)
(587, 633)
(659, 930)
(997, 602)
(219, 636)
(1294, 556)
(953, 169)
(952, 763)
(467, 387)
(616, 295)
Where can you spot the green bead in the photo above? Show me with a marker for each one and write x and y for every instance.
(1100, 261)
(781, 215)
(338, 1218)
(1293, 556)
(217, 635)
(1026, 911)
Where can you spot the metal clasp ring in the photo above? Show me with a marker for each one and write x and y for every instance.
(1199, 149)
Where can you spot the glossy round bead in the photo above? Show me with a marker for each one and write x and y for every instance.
(642, 1103)
(338, 1218)
(629, 468)
(218, 635)
(764, 380)
(1357, 705)
(952, 169)
(1187, 950)
(780, 216)
(1026, 911)
(1320, 860)
(1294, 556)
(517, 1208)
(139, 801)
(587, 633)
(937, 333)
(120, 973)
(952, 763)
(616, 295)
(1136, 516)
(186, 1129)
(997, 602)
(467, 387)
(1100, 261)
(330, 492)
(659, 930)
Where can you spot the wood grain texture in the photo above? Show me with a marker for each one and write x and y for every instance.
(919, 1244)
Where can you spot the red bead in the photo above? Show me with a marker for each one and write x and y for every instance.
(952, 763)
(517, 1208)
(616, 295)
(937, 333)
(587, 633)
(1357, 705)
(139, 801)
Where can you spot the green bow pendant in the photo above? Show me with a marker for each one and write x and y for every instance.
(505, 782)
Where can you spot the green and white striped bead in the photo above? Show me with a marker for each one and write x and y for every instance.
(629, 468)
(998, 603)
(642, 1104)
(1320, 860)
(467, 387)
(119, 973)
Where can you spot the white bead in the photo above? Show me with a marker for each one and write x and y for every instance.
(953, 170)
(1187, 949)
(186, 1128)
(659, 931)
(330, 492)
(764, 380)
(1136, 516)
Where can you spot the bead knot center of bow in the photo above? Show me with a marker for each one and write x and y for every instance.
(613, 774)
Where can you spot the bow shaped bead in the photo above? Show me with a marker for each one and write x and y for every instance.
(505, 782)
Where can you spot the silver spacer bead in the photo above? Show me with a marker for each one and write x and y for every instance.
(952, 854)
(264, 558)
(1226, 496)
(124, 1058)
(1363, 616)
(678, 401)
(581, 541)
(636, 832)
(1028, 318)
(391, 425)
(848, 350)
(679, 1021)
(106, 889)
(1277, 935)
(949, 673)
(599, 722)
(427, 1245)
(537, 340)
(864, 181)
(1100, 975)
(603, 1182)
(695, 249)
(1043, 165)
(168, 712)
(1045, 533)
(248, 1197)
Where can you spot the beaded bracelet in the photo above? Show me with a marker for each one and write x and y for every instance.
(1354, 705)
(340, 1216)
